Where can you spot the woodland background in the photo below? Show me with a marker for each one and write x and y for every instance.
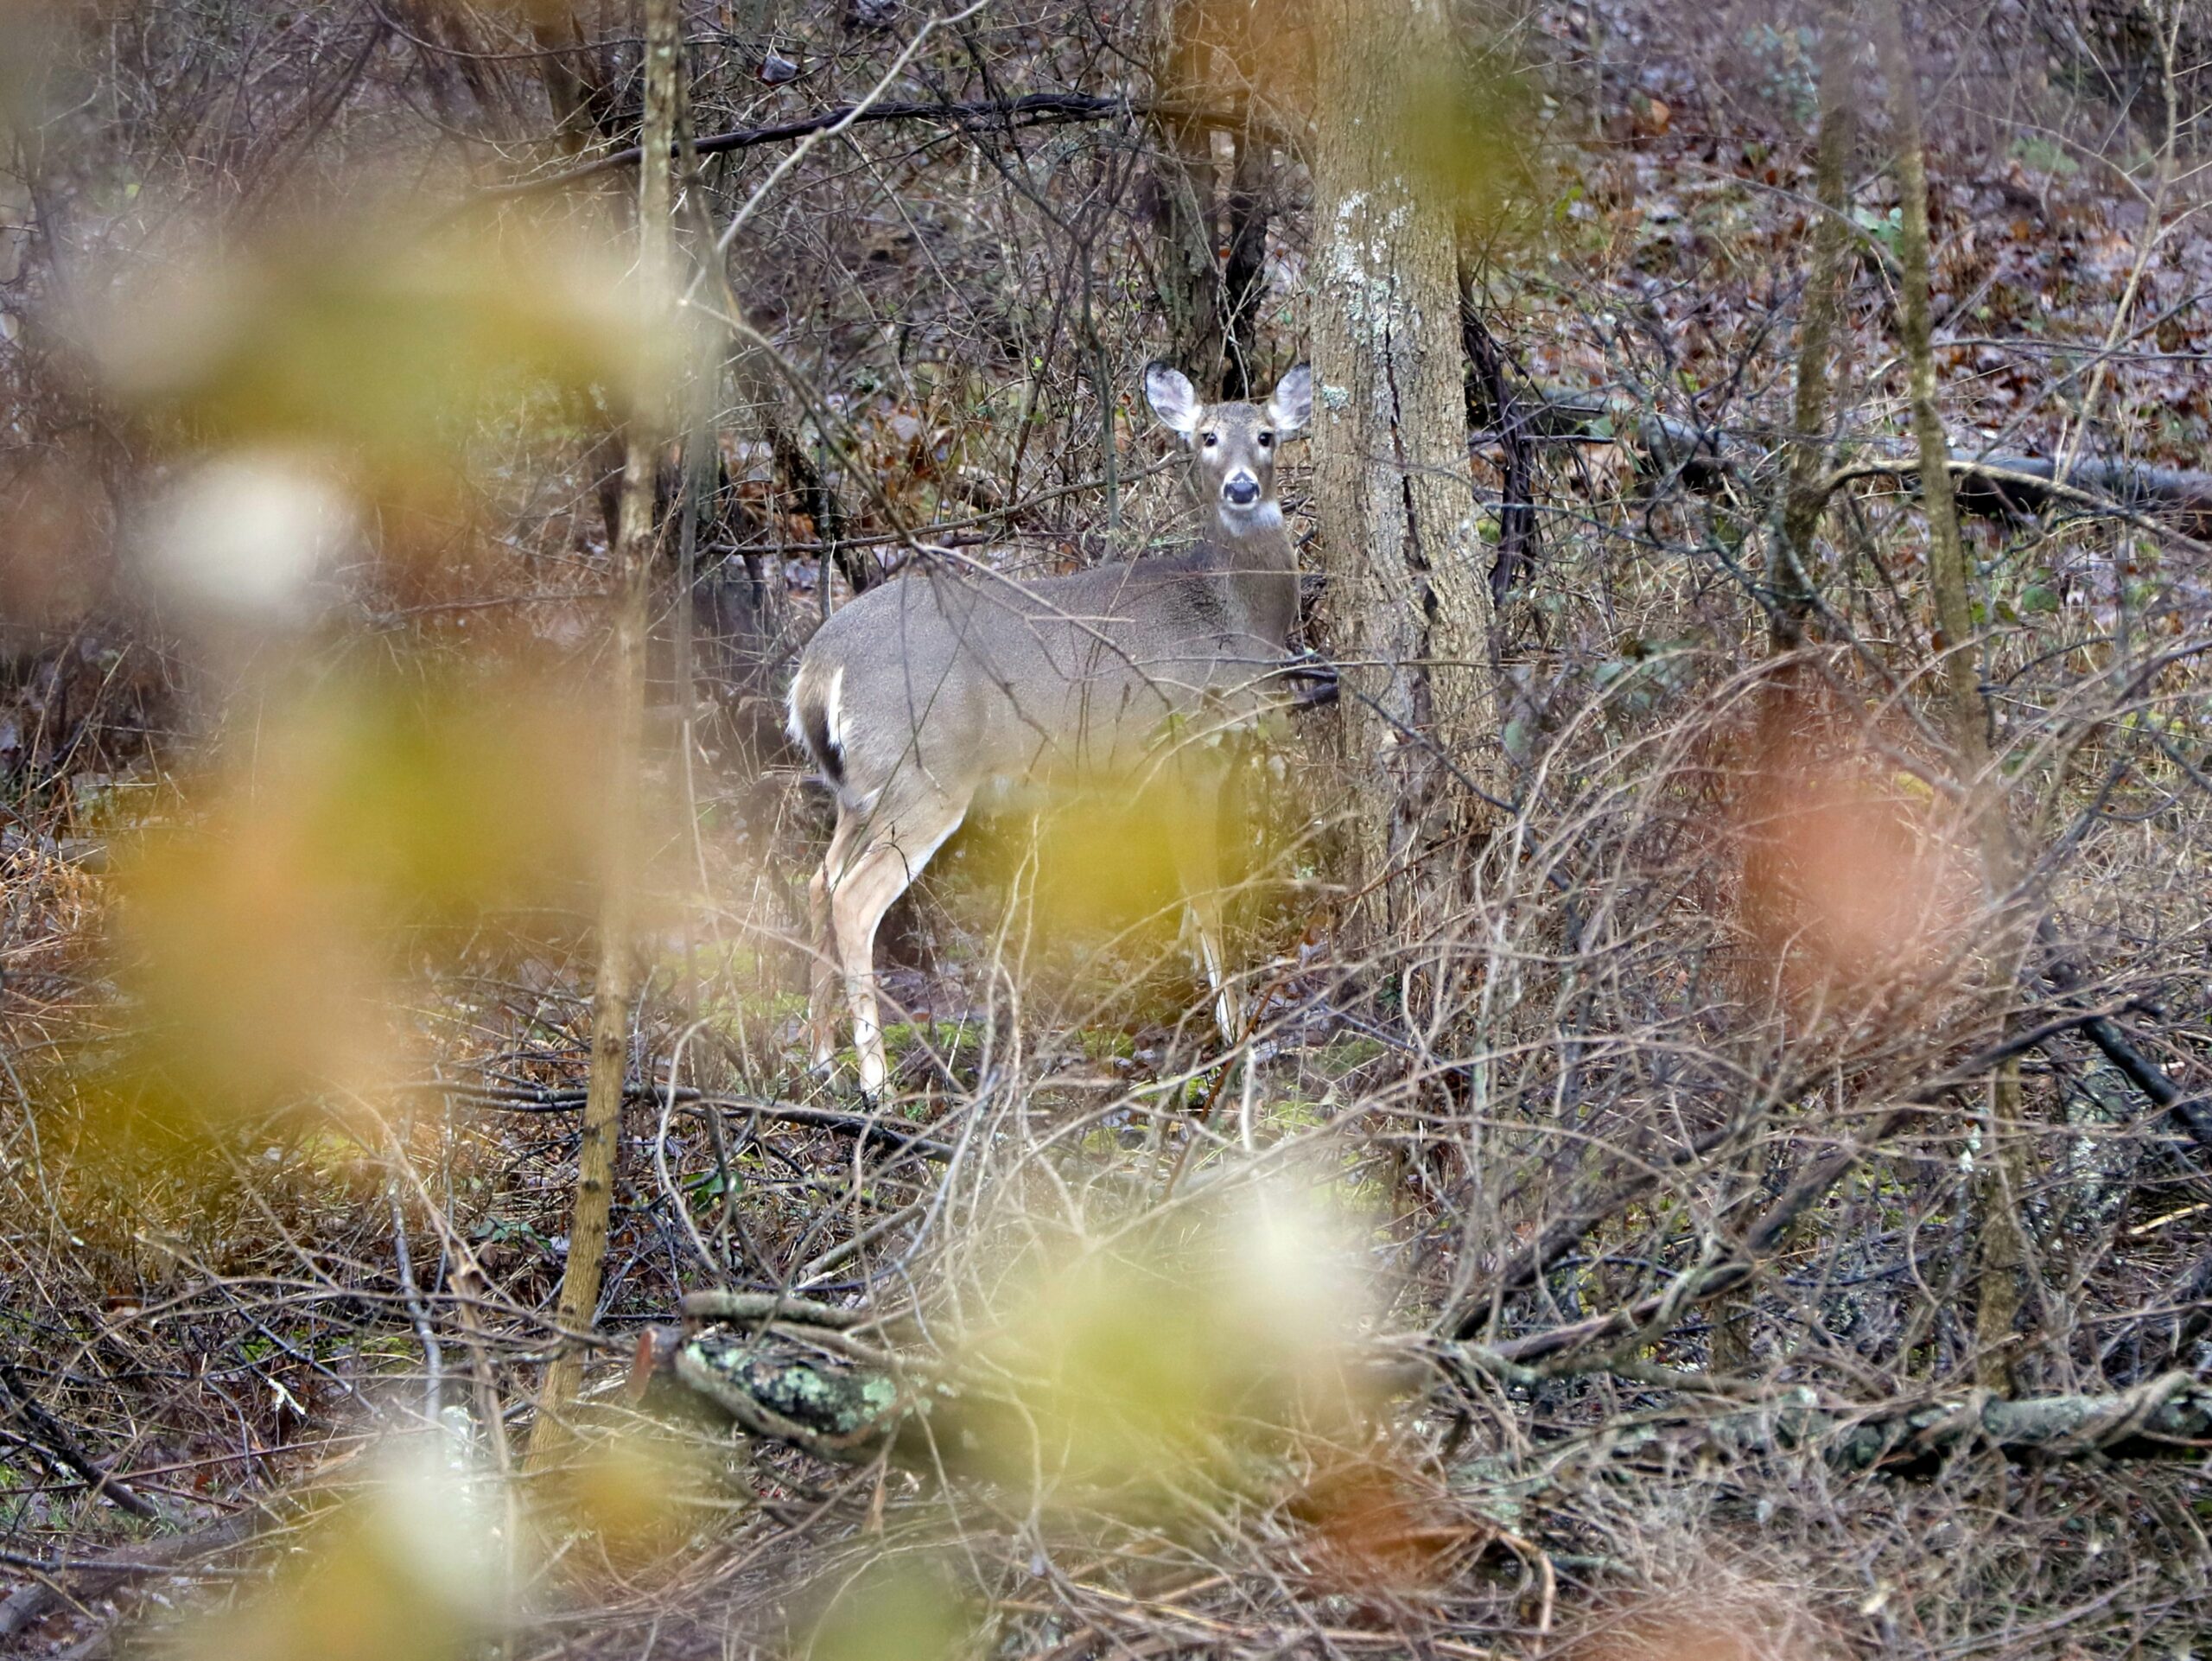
(1718, 1160)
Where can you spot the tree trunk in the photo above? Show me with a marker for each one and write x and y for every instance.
(1187, 178)
(574, 81)
(1244, 273)
(2000, 1171)
(612, 996)
(1794, 591)
(1407, 606)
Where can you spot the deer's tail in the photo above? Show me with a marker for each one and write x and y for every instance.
(811, 719)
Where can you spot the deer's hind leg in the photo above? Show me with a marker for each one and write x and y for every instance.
(827, 977)
(890, 856)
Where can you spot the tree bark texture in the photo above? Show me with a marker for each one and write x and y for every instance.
(1408, 605)
(616, 986)
(1999, 1168)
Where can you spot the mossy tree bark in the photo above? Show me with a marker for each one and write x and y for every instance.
(1407, 607)
(2000, 1169)
(616, 986)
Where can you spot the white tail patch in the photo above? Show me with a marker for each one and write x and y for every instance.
(833, 705)
(823, 741)
(793, 724)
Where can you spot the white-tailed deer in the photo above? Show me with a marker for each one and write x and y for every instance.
(924, 694)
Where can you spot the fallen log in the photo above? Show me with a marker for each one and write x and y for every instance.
(1031, 109)
(2168, 1417)
(797, 1371)
(1991, 486)
(863, 1126)
(1996, 485)
(789, 1373)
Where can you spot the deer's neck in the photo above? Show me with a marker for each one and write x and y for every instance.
(1259, 567)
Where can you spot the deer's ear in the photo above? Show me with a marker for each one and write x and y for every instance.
(1173, 399)
(1292, 406)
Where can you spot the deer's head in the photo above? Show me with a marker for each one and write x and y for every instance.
(1233, 445)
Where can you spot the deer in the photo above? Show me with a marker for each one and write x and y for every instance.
(955, 684)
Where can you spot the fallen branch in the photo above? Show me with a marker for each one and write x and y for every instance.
(60, 1583)
(51, 1438)
(2028, 483)
(2167, 1417)
(1032, 110)
(1649, 1316)
(1477, 1310)
(2002, 485)
(2191, 1113)
(516, 1098)
(1988, 486)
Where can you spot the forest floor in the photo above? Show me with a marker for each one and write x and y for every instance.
(230, 1320)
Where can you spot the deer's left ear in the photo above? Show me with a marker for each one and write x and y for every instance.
(1292, 405)
(1173, 399)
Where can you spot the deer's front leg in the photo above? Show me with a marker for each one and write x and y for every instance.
(1194, 839)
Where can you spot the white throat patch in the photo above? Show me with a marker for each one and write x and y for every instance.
(1260, 516)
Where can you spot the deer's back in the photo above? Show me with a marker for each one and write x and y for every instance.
(965, 674)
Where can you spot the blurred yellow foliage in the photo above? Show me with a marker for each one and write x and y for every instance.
(416, 1567)
(898, 1608)
(386, 345)
(1161, 1358)
(626, 1490)
(1467, 131)
(261, 943)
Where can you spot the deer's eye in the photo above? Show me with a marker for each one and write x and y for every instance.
(1267, 441)
(1212, 439)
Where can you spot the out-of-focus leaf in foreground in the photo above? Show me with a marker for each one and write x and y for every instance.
(633, 1494)
(418, 1567)
(1854, 889)
(263, 942)
(1174, 1355)
(1466, 130)
(386, 345)
(897, 1608)
(32, 36)
(242, 539)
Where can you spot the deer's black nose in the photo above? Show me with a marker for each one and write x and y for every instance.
(1241, 492)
